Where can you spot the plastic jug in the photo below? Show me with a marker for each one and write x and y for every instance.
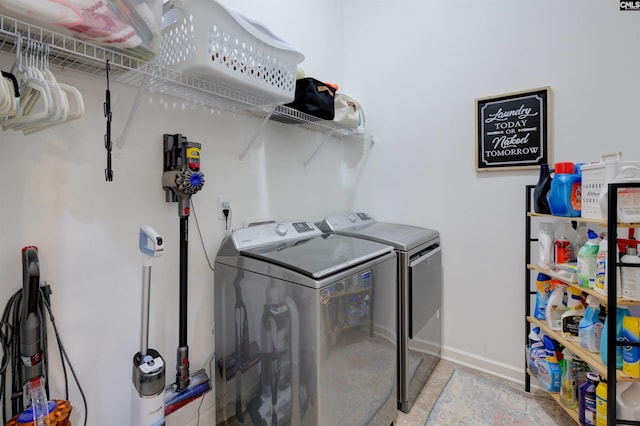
(601, 404)
(587, 259)
(631, 354)
(621, 313)
(587, 400)
(540, 202)
(565, 193)
(628, 400)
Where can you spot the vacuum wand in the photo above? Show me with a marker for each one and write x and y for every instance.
(181, 178)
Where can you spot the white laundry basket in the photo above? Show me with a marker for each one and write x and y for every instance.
(596, 177)
(203, 39)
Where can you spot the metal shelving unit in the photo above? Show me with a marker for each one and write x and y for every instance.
(70, 53)
(611, 300)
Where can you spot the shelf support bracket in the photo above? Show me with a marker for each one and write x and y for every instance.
(255, 136)
(313, 154)
(132, 114)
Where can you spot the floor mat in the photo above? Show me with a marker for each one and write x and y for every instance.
(471, 399)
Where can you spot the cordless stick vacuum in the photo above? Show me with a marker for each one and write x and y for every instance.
(31, 350)
(148, 365)
(181, 179)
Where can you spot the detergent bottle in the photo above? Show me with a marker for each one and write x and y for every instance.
(540, 202)
(545, 245)
(587, 258)
(565, 193)
(590, 327)
(556, 305)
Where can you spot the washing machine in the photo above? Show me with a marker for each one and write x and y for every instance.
(305, 328)
(419, 280)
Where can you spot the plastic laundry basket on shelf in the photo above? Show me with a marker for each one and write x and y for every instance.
(203, 39)
(596, 177)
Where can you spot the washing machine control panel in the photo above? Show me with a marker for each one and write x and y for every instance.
(346, 220)
(273, 233)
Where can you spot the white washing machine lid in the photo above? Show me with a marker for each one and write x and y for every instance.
(361, 225)
(319, 256)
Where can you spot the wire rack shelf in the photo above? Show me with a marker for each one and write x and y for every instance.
(73, 54)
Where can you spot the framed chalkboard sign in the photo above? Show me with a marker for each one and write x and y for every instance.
(512, 130)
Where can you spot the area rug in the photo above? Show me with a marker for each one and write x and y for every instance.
(471, 399)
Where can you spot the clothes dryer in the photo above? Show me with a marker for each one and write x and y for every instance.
(419, 285)
(305, 328)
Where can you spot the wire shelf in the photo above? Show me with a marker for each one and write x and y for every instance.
(70, 53)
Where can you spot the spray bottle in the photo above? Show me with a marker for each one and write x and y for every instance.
(590, 328)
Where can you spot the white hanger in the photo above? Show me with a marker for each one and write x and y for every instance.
(45, 102)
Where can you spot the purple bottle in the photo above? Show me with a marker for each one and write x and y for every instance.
(587, 400)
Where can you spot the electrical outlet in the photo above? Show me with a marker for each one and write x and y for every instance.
(223, 203)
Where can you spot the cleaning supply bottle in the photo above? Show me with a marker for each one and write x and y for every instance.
(601, 403)
(548, 369)
(580, 239)
(601, 266)
(536, 350)
(556, 305)
(590, 327)
(545, 245)
(568, 387)
(540, 202)
(587, 257)
(572, 316)
(628, 400)
(587, 400)
(543, 291)
(621, 313)
(630, 276)
(631, 354)
(563, 245)
(564, 194)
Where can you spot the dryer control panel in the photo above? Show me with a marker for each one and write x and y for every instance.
(337, 222)
(269, 233)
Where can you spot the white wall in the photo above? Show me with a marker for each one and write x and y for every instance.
(417, 67)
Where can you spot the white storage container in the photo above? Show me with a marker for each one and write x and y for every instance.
(130, 26)
(596, 177)
(203, 39)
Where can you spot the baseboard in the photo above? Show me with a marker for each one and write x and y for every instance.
(467, 359)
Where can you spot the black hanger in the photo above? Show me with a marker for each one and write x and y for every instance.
(13, 79)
